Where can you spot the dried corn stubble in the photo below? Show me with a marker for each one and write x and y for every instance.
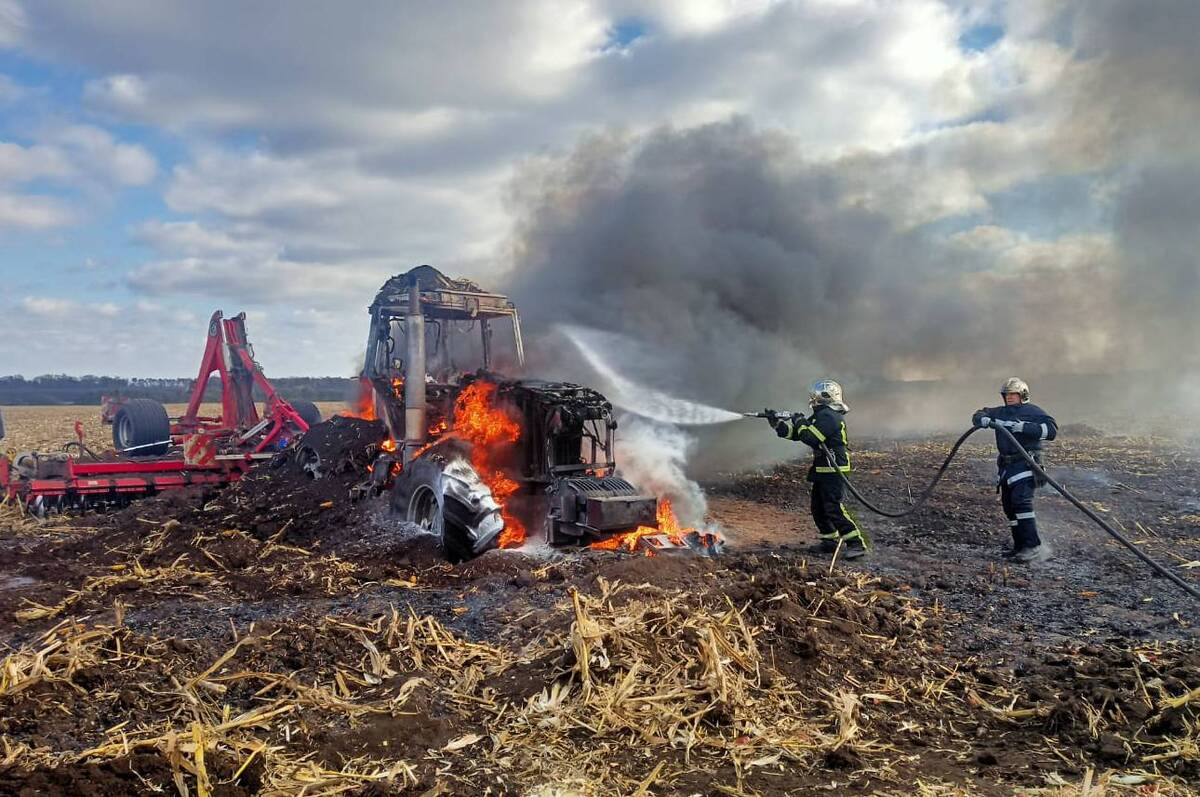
(639, 693)
(186, 719)
(17, 521)
(173, 575)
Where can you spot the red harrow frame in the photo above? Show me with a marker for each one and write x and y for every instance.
(153, 452)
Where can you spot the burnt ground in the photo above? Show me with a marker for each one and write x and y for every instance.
(949, 552)
(276, 638)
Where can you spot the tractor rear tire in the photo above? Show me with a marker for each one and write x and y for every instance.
(309, 412)
(420, 496)
(141, 428)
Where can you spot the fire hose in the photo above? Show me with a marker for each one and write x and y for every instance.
(1036, 467)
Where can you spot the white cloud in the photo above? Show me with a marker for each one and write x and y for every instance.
(246, 185)
(194, 240)
(48, 306)
(329, 207)
(80, 158)
(20, 164)
(124, 93)
(69, 153)
(29, 212)
(10, 91)
(12, 22)
(126, 337)
(122, 338)
(266, 281)
(96, 153)
(947, 172)
(1013, 251)
(845, 74)
(330, 63)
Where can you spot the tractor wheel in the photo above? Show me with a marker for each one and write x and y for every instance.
(449, 500)
(141, 428)
(308, 411)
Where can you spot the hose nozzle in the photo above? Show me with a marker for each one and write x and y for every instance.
(772, 414)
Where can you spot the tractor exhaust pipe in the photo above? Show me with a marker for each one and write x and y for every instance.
(414, 372)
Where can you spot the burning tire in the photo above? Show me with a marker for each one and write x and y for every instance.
(141, 428)
(308, 412)
(447, 498)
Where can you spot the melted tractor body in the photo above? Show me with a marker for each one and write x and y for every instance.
(486, 455)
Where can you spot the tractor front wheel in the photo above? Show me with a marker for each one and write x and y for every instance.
(449, 500)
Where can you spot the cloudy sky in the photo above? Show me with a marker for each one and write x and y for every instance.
(1019, 178)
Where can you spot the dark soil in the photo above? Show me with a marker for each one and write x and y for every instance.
(949, 552)
(1059, 667)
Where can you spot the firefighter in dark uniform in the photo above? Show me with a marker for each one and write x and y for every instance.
(827, 426)
(1031, 426)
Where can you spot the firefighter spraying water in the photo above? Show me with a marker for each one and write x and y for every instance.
(825, 433)
(1020, 429)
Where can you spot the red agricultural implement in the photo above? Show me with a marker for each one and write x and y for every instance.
(153, 452)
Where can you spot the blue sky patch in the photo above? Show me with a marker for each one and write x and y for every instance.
(980, 37)
(625, 33)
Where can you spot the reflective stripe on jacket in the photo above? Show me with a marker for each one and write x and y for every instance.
(1045, 427)
(827, 426)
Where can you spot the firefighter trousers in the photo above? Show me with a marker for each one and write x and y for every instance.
(828, 511)
(1016, 496)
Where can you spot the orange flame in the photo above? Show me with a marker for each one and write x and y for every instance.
(489, 429)
(668, 524)
(364, 405)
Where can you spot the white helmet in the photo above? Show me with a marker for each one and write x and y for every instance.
(1015, 385)
(828, 392)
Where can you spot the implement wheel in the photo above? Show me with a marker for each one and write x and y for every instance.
(141, 428)
(309, 412)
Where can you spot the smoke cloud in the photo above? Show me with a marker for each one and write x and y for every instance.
(654, 456)
(1060, 240)
(757, 270)
(750, 268)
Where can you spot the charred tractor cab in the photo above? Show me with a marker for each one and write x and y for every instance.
(478, 454)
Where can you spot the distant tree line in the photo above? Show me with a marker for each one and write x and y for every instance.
(87, 390)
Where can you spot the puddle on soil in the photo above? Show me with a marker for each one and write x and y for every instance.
(9, 581)
(1094, 476)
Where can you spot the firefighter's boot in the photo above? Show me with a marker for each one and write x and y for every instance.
(1038, 553)
(853, 547)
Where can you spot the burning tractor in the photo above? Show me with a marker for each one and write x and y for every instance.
(483, 459)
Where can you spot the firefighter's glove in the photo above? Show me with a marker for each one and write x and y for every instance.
(983, 421)
(1020, 427)
(771, 417)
